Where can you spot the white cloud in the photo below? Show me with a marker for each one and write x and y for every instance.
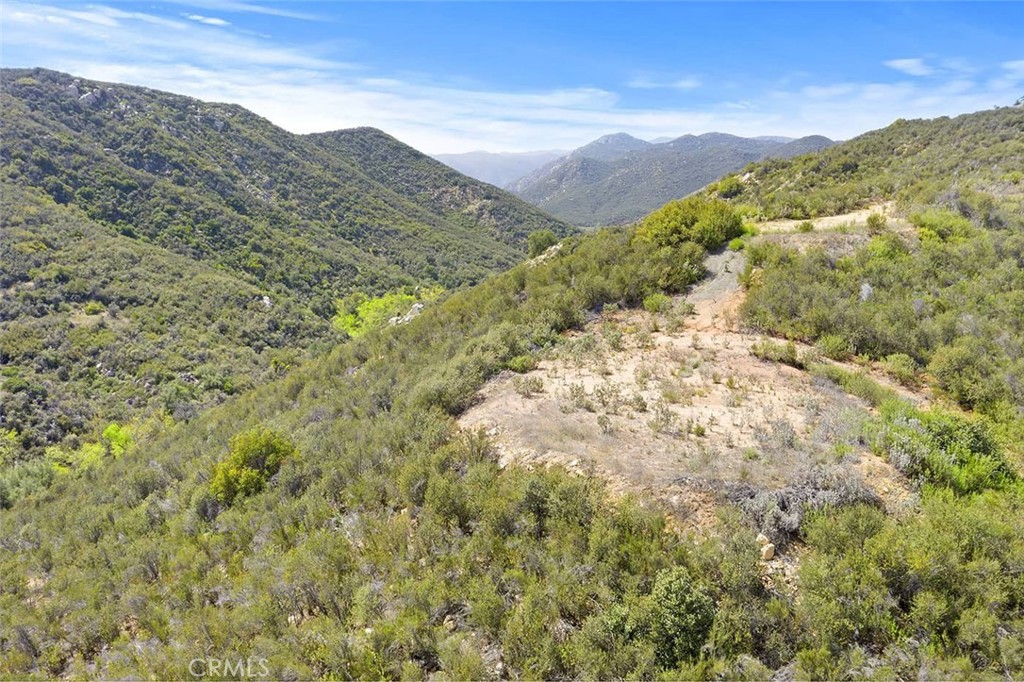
(248, 8)
(1014, 69)
(307, 91)
(211, 21)
(686, 84)
(645, 83)
(911, 67)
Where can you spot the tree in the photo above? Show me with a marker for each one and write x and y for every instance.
(254, 456)
(540, 241)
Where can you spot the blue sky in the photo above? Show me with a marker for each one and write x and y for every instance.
(452, 77)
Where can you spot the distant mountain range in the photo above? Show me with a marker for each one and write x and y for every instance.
(619, 178)
(499, 168)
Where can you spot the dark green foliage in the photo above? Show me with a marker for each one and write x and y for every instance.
(318, 216)
(681, 617)
(163, 253)
(98, 327)
(540, 241)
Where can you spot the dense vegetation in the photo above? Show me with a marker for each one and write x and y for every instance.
(940, 306)
(974, 160)
(948, 302)
(96, 327)
(318, 215)
(161, 253)
(334, 522)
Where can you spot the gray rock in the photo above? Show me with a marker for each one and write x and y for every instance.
(866, 291)
(88, 99)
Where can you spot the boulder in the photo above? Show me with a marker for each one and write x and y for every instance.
(767, 552)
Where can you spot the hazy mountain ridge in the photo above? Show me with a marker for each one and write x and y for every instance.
(498, 168)
(632, 177)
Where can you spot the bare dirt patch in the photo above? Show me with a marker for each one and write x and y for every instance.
(851, 219)
(682, 412)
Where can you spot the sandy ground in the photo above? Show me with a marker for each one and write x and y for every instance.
(851, 219)
(672, 405)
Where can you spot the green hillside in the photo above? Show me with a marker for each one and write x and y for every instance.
(387, 543)
(98, 327)
(943, 160)
(218, 183)
(334, 522)
(161, 253)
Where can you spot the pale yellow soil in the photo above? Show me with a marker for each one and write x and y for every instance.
(714, 413)
(851, 219)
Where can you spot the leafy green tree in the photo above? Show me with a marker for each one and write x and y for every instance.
(118, 439)
(540, 241)
(254, 457)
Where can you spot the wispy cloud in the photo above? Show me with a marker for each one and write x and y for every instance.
(212, 21)
(311, 90)
(911, 67)
(248, 8)
(644, 83)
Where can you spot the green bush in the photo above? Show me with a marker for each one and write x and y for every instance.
(681, 615)
(835, 347)
(657, 303)
(708, 222)
(540, 241)
(254, 456)
(773, 351)
(942, 449)
(903, 369)
(521, 364)
(967, 372)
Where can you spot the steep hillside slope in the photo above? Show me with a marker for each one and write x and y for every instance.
(617, 178)
(218, 183)
(915, 162)
(463, 201)
(160, 252)
(498, 168)
(338, 523)
(97, 327)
